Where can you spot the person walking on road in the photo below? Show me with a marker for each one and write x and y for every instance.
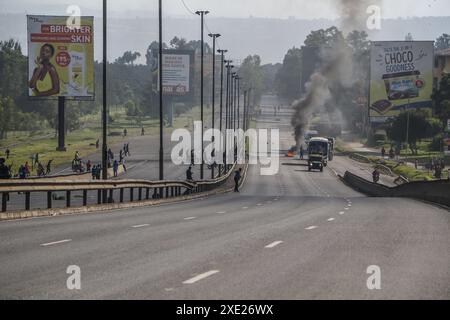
(237, 178)
(142, 132)
(301, 152)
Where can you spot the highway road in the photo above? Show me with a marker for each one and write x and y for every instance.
(295, 235)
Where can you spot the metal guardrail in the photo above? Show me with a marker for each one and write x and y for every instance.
(105, 189)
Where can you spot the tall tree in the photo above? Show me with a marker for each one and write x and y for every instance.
(443, 42)
(288, 79)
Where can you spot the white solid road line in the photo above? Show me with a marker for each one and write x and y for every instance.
(311, 228)
(331, 219)
(200, 277)
(273, 244)
(56, 242)
(140, 225)
(189, 218)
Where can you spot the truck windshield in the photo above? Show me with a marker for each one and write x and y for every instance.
(318, 148)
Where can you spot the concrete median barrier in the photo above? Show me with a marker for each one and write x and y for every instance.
(432, 191)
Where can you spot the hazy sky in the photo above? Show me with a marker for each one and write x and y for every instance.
(309, 9)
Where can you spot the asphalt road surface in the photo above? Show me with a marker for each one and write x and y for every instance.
(295, 235)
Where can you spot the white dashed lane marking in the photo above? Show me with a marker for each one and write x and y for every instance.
(341, 213)
(331, 219)
(200, 277)
(140, 225)
(189, 218)
(221, 212)
(311, 228)
(273, 244)
(56, 242)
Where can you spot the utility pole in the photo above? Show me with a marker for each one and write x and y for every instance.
(202, 15)
(214, 36)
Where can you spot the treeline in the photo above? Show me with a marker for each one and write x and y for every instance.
(291, 76)
(131, 85)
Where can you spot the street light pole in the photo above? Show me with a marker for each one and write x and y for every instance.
(222, 52)
(214, 36)
(234, 100)
(161, 146)
(104, 109)
(202, 15)
(244, 125)
(238, 100)
(227, 109)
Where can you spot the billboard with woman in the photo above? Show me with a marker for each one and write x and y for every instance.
(60, 57)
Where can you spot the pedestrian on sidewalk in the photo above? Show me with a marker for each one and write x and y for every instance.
(383, 152)
(7, 153)
(237, 178)
(97, 143)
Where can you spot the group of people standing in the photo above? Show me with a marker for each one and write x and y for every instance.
(25, 170)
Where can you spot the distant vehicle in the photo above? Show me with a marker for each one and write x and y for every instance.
(318, 153)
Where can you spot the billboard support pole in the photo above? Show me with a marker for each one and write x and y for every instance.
(61, 124)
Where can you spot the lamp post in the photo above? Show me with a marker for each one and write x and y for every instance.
(222, 52)
(161, 142)
(235, 76)
(214, 36)
(238, 100)
(202, 14)
(104, 109)
(244, 124)
(227, 108)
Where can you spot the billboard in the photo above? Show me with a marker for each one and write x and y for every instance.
(401, 77)
(60, 58)
(176, 75)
